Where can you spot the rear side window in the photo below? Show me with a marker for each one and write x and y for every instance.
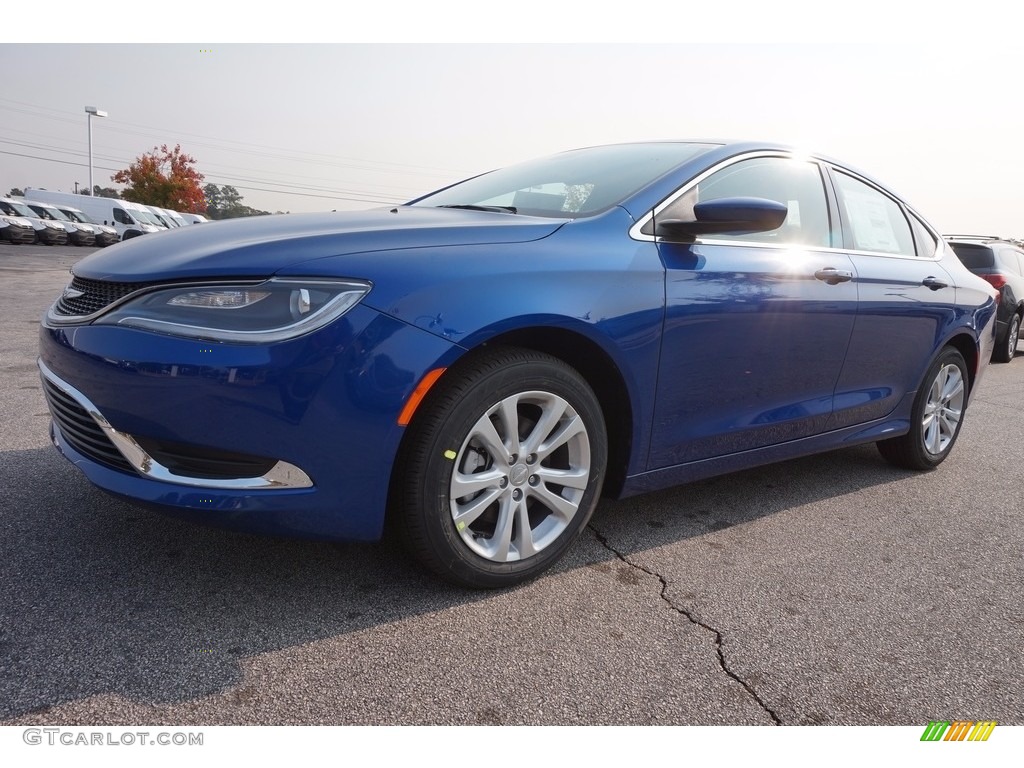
(974, 256)
(873, 221)
(1010, 260)
(926, 242)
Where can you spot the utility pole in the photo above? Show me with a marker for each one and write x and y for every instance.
(91, 112)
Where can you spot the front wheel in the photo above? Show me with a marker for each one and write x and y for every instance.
(502, 468)
(936, 418)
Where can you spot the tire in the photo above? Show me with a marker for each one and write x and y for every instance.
(1005, 351)
(936, 417)
(501, 470)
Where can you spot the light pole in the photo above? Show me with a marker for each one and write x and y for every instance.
(91, 112)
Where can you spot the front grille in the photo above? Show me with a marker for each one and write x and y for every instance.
(81, 430)
(96, 294)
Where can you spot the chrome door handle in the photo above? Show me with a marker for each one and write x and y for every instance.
(833, 276)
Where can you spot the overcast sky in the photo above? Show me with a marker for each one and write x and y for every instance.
(306, 127)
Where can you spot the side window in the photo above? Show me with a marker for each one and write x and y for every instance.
(797, 184)
(1017, 260)
(874, 221)
(121, 217)
(925, 240)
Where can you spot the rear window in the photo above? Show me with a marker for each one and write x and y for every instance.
(974, 256)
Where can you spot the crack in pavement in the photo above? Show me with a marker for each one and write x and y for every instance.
(718, 635)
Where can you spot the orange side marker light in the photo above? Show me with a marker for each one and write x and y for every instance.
(417, 396)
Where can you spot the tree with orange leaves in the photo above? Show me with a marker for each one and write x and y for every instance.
(166, 178)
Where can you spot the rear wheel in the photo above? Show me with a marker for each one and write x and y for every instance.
(502, 469)
(1005, 352)
(937, 416)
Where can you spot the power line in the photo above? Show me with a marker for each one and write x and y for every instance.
(236, 186)
(372, 189)
(295, 157)
(112, 124)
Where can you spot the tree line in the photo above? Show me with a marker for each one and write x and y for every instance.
(167, 178)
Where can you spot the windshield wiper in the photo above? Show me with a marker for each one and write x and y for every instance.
(492, 208)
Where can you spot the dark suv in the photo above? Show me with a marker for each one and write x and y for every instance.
(1001, 262)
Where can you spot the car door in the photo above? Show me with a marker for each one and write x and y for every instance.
(906, 299)
(757, 325)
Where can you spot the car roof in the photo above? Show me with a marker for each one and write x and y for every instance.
(984, 241)
(973, 237)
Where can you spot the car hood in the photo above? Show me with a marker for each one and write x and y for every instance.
(264, 245)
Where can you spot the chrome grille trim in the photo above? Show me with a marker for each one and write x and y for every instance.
(87, 297)
(83, 438)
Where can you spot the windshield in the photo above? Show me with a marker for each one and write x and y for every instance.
(578, 183)
(18, 209)
(48, 213)
(147, 217)
(78, 216)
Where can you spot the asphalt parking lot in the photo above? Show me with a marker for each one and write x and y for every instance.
(828, 590)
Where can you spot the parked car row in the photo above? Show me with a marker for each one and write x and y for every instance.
(60, 218)
(20, 222)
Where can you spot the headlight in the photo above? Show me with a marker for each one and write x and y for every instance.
(54, 225)
(275, 310)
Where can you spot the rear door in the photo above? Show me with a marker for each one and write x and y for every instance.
(906, 301)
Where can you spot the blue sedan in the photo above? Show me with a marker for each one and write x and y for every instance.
(480, 365)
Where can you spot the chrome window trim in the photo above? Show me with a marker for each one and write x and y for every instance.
(636, 234)
(882, 254)
(768, 246)
(282, 475)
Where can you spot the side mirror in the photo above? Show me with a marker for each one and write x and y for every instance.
(729, 215)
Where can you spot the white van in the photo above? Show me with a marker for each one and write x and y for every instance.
(176, 217)
(194, 218)
(143, 214)
(48, 232)
(120, 214)
(105, 235)
(78, 233)
(158, 216)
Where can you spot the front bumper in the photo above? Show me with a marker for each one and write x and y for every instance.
(12, 233)
(83, 426)
(49, 236)
(78, 237)
(321, 409)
